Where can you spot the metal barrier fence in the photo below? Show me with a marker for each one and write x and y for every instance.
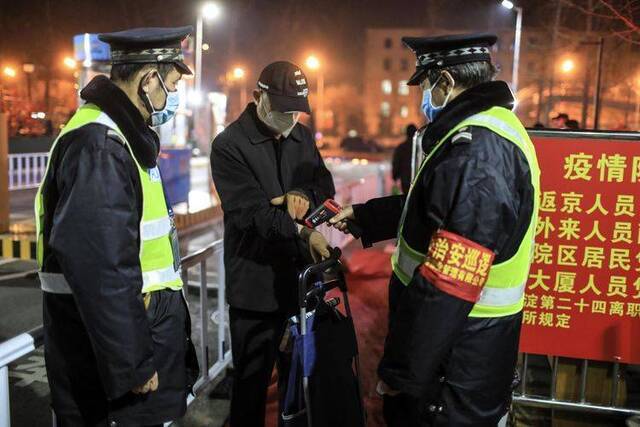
(26, 170)
(522, 397)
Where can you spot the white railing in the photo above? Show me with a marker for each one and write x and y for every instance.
(26, 170)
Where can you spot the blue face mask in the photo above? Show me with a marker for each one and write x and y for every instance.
(159, 117)
(430, 110)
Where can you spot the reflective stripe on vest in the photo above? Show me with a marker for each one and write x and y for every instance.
(503, 293)
(156, 255)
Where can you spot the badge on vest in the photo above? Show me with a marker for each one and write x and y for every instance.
(154, 174)
(457, 266)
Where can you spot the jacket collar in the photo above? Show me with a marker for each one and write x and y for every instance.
(472, 101)
(116, 104)
(258, 132)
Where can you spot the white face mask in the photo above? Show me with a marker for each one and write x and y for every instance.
(281, 123)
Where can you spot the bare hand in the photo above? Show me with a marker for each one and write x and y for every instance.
(318, 246)
(340, 220)
(297, 204)
(383, 389)
(151, 385)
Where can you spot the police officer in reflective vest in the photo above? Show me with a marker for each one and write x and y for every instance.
(117, 345)
(465, 237)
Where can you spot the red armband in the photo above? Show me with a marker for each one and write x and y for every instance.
(457, 266)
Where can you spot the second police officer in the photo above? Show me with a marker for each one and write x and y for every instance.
(465, 238)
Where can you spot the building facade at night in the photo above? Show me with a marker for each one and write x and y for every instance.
(389, 104)
(551, 80)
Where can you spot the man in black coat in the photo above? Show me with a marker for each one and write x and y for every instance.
(269, 174)
(116, 355)
(464, 247)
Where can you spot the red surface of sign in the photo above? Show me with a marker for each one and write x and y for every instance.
(583, 294)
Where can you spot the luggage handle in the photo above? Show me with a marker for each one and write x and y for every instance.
(310, 271)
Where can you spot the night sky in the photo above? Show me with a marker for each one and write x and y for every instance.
(250, 33)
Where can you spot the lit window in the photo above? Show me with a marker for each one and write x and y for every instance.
(404, 111)
(385, 109)
(386, 87)
(403, 89)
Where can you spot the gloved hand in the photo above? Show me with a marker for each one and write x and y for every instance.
(297, 204)
(151, 385)
(340, 220)
(318, 245)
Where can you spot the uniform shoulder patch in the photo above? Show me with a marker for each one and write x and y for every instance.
(462, 136)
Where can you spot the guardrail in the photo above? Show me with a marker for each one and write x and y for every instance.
(26, 170)
(581, 404)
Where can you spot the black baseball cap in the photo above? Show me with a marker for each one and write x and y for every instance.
(287, 87)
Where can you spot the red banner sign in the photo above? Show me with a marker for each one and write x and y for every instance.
(583, 294)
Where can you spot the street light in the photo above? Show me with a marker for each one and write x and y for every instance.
(313, 63)
(238, 74)
(567, 66)
(516, 44)
(508, 4)
(9, 71)
(70, 63)
(208, 11)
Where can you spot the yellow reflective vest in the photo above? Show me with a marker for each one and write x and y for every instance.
(158, 261)
(503, 293)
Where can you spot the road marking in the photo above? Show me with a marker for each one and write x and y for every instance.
(20, 275)
(29, 373)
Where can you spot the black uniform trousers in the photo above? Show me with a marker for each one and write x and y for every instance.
(255, 341)
(472, 389)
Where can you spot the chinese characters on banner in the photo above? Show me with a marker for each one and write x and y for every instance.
(583, 295)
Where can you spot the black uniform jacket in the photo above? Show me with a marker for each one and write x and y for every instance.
(100, 342)
(262, 250)
(478, 187)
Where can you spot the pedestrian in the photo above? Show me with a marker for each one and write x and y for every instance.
(269, 174)
(560, 121)
(401, 162)
(465, 240)
(117, 329)
(572, 125)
